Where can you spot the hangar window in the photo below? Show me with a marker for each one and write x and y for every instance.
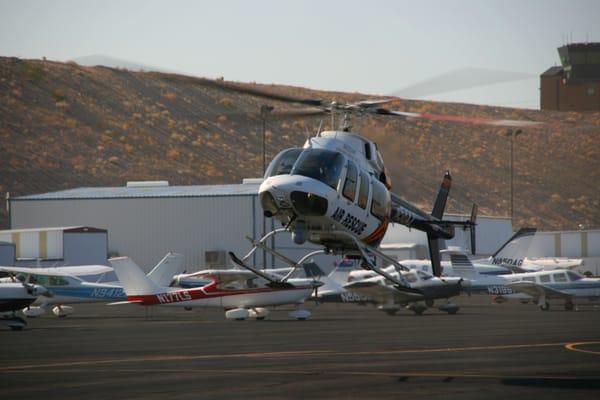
(282, 163)
(351, 180)
(363, 191)
(560, 277)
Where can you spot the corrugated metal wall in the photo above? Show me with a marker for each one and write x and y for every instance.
(147, 228)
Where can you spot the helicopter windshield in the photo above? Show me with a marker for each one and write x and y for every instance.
(282, 164)
(323, 165)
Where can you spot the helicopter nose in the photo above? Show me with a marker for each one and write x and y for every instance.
(308, 204)
(268, 204)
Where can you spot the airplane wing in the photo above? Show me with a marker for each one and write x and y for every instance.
(380, 292)
(537, 290)
(225, 276)
(36, 271)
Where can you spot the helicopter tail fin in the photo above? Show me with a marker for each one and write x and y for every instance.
(440, 201)
(439, 207)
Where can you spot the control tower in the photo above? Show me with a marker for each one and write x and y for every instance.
(574, 86)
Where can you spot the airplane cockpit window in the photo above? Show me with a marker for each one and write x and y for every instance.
(57, 281)
(350, 183)
(573, 276)
(424, 276)
(38, 279)
(559, 277)
(323, 165)
(544, 278)
(411, 277)
(283, 163)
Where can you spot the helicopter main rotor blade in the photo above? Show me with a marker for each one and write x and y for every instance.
(459, 119)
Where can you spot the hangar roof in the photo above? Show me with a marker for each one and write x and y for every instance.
(245, 189)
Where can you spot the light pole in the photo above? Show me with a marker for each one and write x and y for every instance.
(264, 111)
(512, 134)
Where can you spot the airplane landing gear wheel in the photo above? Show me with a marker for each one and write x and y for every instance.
(545, 306)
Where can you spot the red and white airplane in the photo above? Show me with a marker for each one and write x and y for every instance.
(242, 293)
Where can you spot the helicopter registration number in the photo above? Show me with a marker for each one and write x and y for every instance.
(349, 221)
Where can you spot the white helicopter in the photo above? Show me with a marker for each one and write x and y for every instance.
(336, 192)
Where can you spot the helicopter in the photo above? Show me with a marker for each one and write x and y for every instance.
(335, 192)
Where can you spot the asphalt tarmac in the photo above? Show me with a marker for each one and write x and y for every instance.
(345, 351)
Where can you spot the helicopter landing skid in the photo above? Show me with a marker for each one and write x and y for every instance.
(261, 244)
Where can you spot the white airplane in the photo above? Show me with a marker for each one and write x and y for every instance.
(427, 289)
(540, 286)
(68, 288)
(242, 293)
(13, 297)
(458, 260)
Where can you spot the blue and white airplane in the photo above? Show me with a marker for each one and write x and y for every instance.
(68, 288)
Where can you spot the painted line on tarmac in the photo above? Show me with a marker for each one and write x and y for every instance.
(282, 354)
(287, 371)
(574, 346)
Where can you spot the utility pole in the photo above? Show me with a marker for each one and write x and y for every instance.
(264, 111)
(512, 134)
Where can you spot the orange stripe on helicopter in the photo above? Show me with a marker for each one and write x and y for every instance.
(378, 233)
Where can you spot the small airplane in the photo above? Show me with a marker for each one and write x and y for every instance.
(427, 289)
(539, 286)
(559, 285)
(242, 293)
(68, 288)
(14, 296)
(340, 287)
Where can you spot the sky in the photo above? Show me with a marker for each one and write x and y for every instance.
(373, 47)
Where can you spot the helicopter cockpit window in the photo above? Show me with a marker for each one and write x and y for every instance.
(323, 165)
(282, 164)
(363, 191)
(380, 203)
(350, 183)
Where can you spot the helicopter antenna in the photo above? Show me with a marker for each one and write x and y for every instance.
(347, 124)
(320, 127)
(333, 104)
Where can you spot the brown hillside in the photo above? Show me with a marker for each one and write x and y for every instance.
(63, 126)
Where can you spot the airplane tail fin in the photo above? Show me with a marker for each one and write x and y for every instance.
(169, 266)
(312, 270)
(461, 264)
(340, 273)
(512, 253)
(133, 279)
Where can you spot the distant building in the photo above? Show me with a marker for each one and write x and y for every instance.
(55, 246)
(145, 220)
(574, 86)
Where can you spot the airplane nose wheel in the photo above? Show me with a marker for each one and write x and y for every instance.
(545, 306)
